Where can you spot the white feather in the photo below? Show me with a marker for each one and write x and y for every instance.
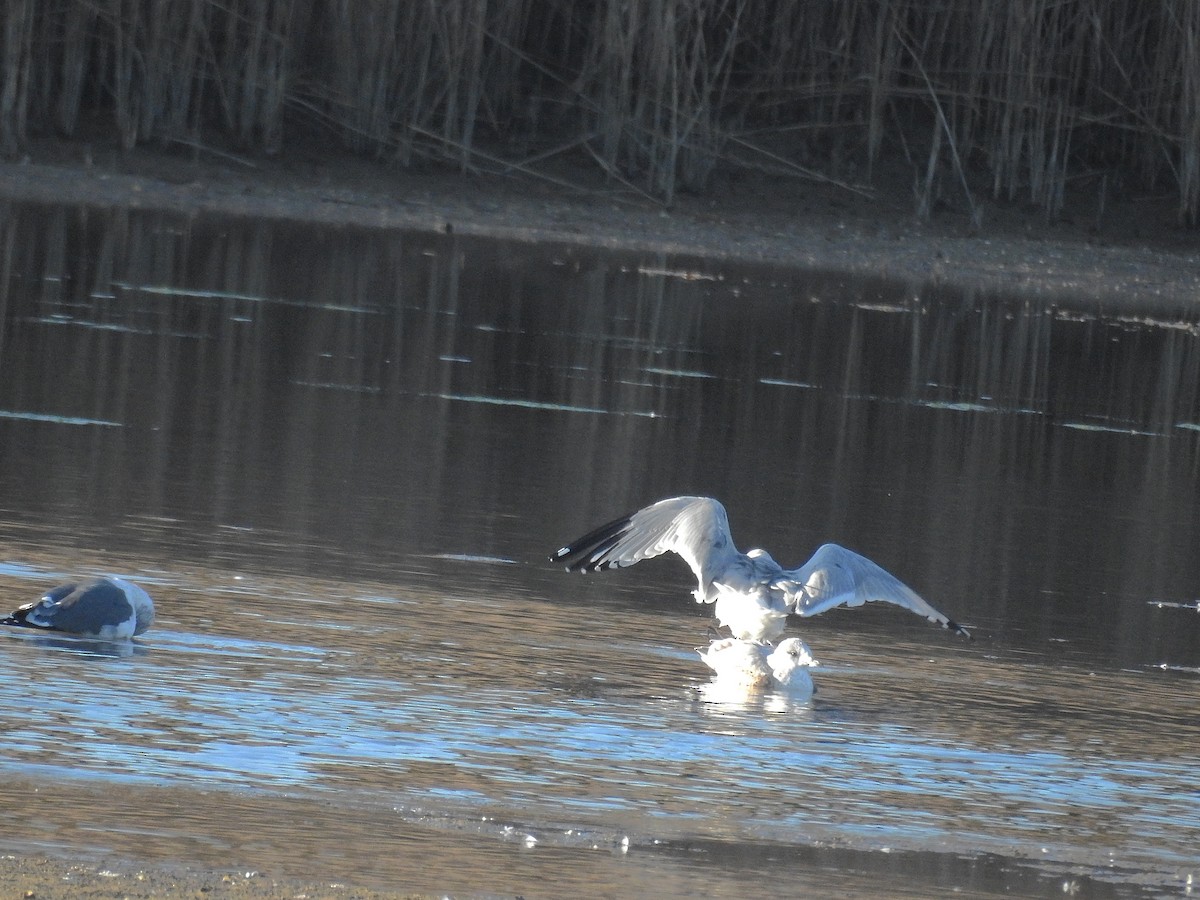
(753, 594)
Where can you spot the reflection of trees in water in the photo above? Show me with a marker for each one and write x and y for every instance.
(354, 391)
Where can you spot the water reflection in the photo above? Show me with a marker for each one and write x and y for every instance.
(723, 695)
(337, 458)
(70, 644)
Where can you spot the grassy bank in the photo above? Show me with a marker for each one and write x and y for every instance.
(1016, 100)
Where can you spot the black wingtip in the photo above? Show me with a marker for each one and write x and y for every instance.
(958, 629)
(587, 553)
(20, 618)
(579, 563)
(563, 555)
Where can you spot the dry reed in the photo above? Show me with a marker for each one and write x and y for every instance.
(1024, 100)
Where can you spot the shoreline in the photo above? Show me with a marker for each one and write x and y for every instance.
(760, 220)
(41, 876)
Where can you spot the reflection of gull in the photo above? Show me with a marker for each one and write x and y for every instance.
(108, 608)
(752, 592)
(753, 665)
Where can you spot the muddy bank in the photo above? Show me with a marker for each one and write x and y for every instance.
(1129, 251)
(40, 878)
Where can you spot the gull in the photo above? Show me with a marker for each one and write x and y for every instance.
(753, 593)
(752, 665)
(106, 608)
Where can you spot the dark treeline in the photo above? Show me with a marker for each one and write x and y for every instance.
(1016, 99)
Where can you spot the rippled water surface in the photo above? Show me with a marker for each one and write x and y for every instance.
(339, 459)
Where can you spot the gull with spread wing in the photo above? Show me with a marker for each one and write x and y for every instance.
(753, 594)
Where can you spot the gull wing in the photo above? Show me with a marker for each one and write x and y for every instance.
(81, 608)
(836, 576)
(696, 528)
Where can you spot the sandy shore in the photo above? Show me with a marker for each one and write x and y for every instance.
(1134, 252)
(42, 878)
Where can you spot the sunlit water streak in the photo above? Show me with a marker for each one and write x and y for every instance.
(340, 475)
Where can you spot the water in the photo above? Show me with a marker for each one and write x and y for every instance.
(339, 458)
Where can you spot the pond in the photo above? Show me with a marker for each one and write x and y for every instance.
(340, 458)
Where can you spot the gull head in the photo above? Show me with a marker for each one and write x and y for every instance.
(760, 553)
(789, 656)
